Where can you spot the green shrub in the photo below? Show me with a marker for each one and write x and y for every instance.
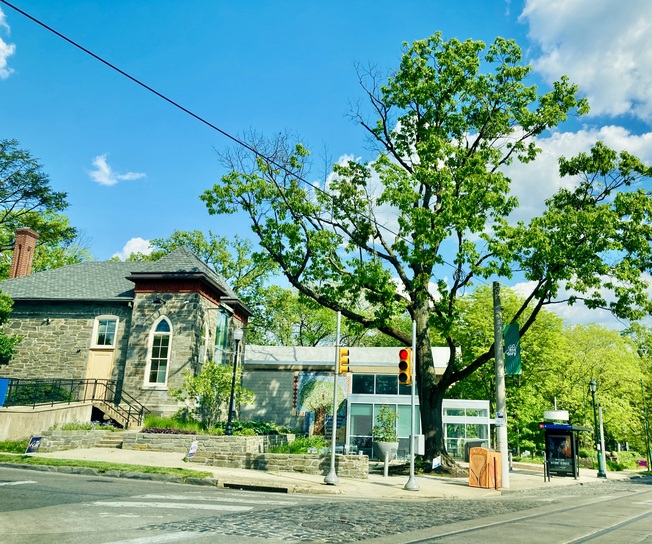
(184, 425)
(14, 446)
(300, 445)
(38, 393)
(158, 422)
(84, 426)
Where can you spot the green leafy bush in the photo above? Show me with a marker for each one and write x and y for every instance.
(84, 426)
(14, 446)
(38, 393)
(300, 445)
(180, 425)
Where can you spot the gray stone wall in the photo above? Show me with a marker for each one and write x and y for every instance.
(186, 318)
(245, 452)
(274, 391)
(346, 466)
(57, 336)
(206, 443)
(70, 440)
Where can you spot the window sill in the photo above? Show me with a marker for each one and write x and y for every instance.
(103, 348)
(154, 387)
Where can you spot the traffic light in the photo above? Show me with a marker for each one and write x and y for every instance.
(405, 366)
(343, 361)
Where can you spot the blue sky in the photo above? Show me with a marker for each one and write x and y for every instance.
(133, 166)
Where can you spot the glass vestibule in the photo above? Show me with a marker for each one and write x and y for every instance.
(463, 420)
(369, 393)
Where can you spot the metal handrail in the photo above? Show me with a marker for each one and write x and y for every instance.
(43, 392)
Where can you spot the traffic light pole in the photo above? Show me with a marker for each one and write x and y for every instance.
(412, 484)
(331, 478)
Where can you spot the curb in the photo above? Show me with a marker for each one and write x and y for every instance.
(250, 485)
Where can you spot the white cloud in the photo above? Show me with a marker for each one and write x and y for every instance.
(602, 46)
(578, 313)
(135, 245)
(533, 183)
(104, 175)
(6, 50)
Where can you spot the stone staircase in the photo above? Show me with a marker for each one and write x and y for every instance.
(112, 440)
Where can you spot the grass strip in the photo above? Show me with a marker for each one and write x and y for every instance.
(102, 466)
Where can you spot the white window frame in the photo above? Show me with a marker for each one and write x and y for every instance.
(96, 330)
(150, 347)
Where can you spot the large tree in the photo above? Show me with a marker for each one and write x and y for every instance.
(28, 200)
(413, 229)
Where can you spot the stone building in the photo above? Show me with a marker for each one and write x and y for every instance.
(141, 324)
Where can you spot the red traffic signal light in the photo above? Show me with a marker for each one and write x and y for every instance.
(405, 366)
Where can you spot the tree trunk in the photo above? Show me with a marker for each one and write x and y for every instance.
(431, 393)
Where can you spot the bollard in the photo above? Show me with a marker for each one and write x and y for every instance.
(386, 468)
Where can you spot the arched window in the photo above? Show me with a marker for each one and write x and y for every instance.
(160, 341)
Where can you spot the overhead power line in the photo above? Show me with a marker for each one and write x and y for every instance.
(187, 111)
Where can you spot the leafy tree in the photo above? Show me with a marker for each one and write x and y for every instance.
(207, 395)
(541, 349)
(558, 363)
(28, 200)
(7, 341)
(448, 121)
(596, 353)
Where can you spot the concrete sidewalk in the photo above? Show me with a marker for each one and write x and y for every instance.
(522, 478)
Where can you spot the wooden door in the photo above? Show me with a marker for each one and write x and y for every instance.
(100, 366)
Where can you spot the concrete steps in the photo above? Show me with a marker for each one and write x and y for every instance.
(112, 440)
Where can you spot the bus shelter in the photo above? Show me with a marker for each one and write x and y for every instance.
(562, 449)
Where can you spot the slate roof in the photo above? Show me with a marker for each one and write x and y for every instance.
(108, 281)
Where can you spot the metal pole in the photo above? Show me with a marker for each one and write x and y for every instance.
(603, 458)
(647, 430)
(228, 430)
(596, 431)
(501, 397)
(331, 478)
(412, 484)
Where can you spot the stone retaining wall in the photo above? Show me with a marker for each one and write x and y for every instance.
(245, 452)
(70, 440)
(346, 466)
(206, 443)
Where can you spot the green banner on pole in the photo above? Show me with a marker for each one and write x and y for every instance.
(512, 350)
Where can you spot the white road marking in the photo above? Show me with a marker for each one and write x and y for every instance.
(173, 505)
(18, 483)
(159, 539)
(191, 498)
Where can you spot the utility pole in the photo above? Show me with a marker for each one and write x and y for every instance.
(501, 397)
(647, 430)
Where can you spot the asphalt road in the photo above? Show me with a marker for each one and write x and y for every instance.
(41, 507)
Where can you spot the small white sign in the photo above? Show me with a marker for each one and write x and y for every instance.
(500, 419)
(436, 462)
(193, 449)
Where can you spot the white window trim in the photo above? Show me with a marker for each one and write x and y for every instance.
(150, 344)
(96, 326)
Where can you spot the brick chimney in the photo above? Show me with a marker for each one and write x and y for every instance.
(21, 262)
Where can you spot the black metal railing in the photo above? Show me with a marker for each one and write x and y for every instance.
(43, 392)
